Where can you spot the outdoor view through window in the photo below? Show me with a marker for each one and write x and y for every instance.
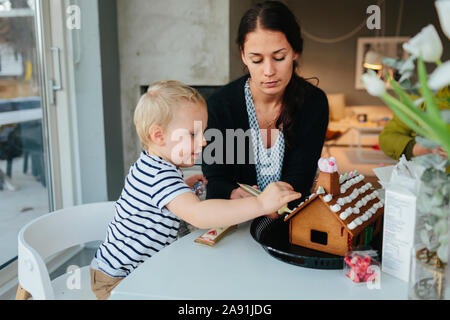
(23, 185)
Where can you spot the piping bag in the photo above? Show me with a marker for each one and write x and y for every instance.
(255, 192)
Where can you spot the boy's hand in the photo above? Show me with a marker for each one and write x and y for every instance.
(191, 180)
(276, 195)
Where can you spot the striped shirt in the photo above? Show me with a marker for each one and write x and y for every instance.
(142, 224)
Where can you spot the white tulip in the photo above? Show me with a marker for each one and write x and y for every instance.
(443, 9)
(374, 85)
(426, 44)
(440, 77)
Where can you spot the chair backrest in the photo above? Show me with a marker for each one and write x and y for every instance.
(53, 232)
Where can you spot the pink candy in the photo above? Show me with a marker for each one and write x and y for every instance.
(360, 269)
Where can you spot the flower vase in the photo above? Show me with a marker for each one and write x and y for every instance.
(427, 276)
(428, 280)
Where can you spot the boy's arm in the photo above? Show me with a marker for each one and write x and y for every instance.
(216, 213)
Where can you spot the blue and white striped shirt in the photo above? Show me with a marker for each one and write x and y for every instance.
(142, 224)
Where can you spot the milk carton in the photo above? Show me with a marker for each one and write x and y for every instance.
(401, 183)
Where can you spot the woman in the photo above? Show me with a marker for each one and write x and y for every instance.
(288, 116)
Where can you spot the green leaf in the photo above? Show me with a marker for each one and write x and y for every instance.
(393, 63)
(406, 115)
(431, 125)
(426, 91)
(405, 98)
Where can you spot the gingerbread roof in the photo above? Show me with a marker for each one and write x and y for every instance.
(356, 206)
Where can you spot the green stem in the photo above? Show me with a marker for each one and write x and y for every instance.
(422, 118)
(431, 105)
(410, 112)
(439, 62)
(404, 114)
(439, 132)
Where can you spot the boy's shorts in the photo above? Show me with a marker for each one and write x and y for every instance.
(102, 285)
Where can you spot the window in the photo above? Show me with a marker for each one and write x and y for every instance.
(319, 237)
(24, 192)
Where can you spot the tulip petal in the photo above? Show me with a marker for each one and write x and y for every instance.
(426, 44)
(443, 9)
(373, 84)
(440, 77)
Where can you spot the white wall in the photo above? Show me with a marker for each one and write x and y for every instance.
(87, 108)
(185, 40)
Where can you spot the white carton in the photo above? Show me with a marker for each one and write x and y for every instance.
(398, 232)
(401, 183)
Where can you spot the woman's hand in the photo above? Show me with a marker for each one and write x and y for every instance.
(440, 151)
(274, 215)
(192, 180)
(276, 195)
(419, 150)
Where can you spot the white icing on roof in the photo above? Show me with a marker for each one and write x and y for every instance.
(363, 194)
(320, 190)
(335, 208)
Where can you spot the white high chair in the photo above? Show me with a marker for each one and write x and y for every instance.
(51, 233)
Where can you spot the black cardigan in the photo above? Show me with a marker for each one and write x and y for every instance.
(227, 110)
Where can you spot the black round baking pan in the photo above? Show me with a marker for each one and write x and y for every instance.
(273, 236)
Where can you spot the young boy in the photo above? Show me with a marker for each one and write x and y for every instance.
(170, 120)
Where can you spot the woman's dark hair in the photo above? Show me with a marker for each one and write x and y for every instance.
(274, 15)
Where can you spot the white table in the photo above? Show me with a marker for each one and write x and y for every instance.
(358, 131)
(18, 116)
(239, 268)
(362, 155)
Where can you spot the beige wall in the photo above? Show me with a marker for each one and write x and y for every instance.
(169, 39)
(334, 64)
(194, 41)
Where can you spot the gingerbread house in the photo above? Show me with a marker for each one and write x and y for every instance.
(344, 211)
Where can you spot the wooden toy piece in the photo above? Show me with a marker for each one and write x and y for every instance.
(343, 212)
(213, 236)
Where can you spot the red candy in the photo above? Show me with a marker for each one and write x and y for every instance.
(360, 270)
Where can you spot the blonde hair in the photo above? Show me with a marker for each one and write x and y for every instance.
(158, 105)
